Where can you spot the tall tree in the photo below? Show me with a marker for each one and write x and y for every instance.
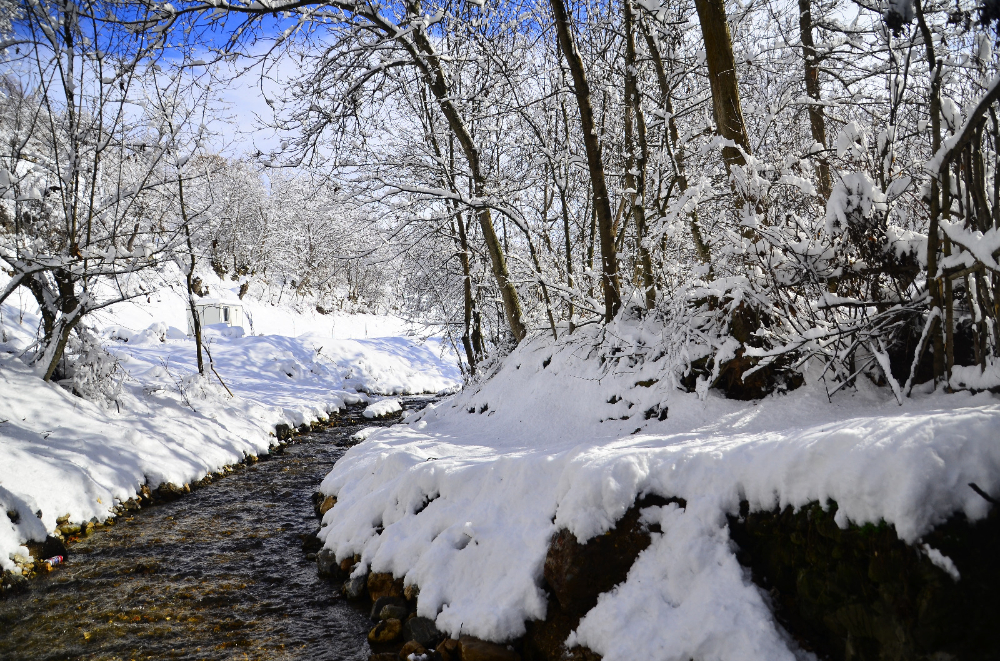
(595, 163)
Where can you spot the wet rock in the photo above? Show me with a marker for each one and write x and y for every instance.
(326, 563)
(412, 647)
(421, 630)
(11, 583)
(311, 543)
(449, 650)
(354, 587)
(347, 564)
(393, 611)
(167, 492)
(411, 592)
(396, 605)
(384, 585)
(326, 505)
(473, 649)
(283, 432)
(383, 656)
(386, 631)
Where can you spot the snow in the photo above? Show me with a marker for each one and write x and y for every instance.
(383, 408)
(465, 497)
(62, 454)
(688, 593)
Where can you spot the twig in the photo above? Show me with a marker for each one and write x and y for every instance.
(211, 363)
(989, 499)
(179, 385)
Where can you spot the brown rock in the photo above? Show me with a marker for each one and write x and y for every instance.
(411, 592)
(385, 631)
(327, 504)
(347, 564)
(579, 573)
(449, 650)
(412, 647)
(384, 585)
(473, 649)
(383, 656)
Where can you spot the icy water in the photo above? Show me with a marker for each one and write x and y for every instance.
(218, 574)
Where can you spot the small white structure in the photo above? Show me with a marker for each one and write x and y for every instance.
(214, 311)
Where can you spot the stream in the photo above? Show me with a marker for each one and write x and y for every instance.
(217, 574)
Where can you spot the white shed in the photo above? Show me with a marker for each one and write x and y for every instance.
(215, 311)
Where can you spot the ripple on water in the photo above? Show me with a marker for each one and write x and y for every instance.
(217, 574)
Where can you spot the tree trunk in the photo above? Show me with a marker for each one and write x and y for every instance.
(722, 78)
(635, 137)
(595, 164)
(463, 258)
(189, 278)
(430, 65)
(933, 242)
(817, 120)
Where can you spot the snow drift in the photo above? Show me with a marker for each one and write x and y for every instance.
(64, 455)
(465, 498)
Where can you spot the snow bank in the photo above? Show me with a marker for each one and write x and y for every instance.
(464, 499)
(382, 408)
(60, 454)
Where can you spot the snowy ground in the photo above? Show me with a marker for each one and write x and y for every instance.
(60, 454)
(559, 440)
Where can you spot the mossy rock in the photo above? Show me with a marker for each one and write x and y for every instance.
(862, 594)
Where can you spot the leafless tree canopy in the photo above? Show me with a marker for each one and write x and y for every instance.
(774, 183)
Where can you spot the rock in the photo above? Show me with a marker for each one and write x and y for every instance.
(421, 630)
(579, 573)
(861, 592)
(311, 543)
(326, 563)
(354, 587)
(473, 649)
(50, 547)
(326, 505)
(347, 564)
(393, 612)
(11, 583)
(283, 432)
(385, 631)
(61, 520)
(167, 492)
(411, 592)
(14, 516)
(449, 650)
(383, 656)
(382, 602)
(68, 529)
(412, 647)
(384, 585)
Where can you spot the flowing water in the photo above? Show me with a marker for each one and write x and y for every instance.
(218, 574)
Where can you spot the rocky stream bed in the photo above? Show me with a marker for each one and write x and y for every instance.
(219, 573)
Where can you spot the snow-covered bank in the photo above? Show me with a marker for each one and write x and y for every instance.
(464, 500)
(63, 455)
